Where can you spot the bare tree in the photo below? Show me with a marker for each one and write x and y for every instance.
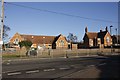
(5, 31)
(71, 38)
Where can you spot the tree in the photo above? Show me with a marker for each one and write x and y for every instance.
(5, 30)
(27, 44)
(5, 35)
(71, 38)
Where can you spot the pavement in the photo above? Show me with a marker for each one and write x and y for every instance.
(37, 58)
(90, 72)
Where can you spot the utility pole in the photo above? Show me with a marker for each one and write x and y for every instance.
(2, 23)
(111, 36)
(1, 36)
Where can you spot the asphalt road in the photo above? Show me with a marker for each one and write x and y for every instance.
(80, 67)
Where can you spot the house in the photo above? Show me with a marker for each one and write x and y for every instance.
(97, 39)
(53, 42)
(116, 39)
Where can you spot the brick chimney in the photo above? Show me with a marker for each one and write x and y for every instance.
(86, 30)
(106, 29)
(100, 30)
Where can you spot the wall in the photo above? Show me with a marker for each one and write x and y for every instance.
(106, 41)
(16, 36)
(74, 46)
(61, 43)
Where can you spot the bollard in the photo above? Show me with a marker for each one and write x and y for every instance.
(66, 55)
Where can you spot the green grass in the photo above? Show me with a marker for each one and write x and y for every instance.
(12, 56)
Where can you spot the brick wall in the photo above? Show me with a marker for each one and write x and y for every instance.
(107, 40)
(61, 42)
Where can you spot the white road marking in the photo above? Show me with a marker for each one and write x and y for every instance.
(102, 64)
(35, 71)
(9, 74)
(10, 71)
(8, 63)
(63, 68)
(48, 69)
(90, 65)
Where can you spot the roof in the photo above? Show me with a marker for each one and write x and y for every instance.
(91, 35)
(39, 39)
(56, 38)
(102, 34)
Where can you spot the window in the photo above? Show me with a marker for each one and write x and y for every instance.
(16, 41)
(90, 42)
(107, 39)
(61, 43)
(99, 40)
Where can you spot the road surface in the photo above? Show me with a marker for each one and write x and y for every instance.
(79, 67)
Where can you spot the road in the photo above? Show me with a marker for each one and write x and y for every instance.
(57, 68)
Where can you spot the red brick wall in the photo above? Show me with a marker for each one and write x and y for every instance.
(59, 43)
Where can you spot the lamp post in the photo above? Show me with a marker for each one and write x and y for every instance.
(111, 35)
(110, 30)
(116, 36)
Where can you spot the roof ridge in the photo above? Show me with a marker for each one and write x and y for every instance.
(36, 35)
(92, 32)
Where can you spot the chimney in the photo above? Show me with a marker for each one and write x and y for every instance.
(100, 30)
(106, 28)
(86, 30)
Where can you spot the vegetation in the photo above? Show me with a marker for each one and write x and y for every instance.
(71, 38)
(27, 44)
(5, 30)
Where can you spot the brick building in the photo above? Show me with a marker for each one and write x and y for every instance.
(97, 39)
(53, 42)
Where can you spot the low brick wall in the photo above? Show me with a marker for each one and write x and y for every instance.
(65, 52)
(75, 52)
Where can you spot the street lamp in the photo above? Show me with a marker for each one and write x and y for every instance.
(111, 35)
(110, 30)
(116, 36)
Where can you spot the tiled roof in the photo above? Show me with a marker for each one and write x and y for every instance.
(91, 35)
(39, 39)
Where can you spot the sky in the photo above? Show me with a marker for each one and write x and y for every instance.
(37, 21)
